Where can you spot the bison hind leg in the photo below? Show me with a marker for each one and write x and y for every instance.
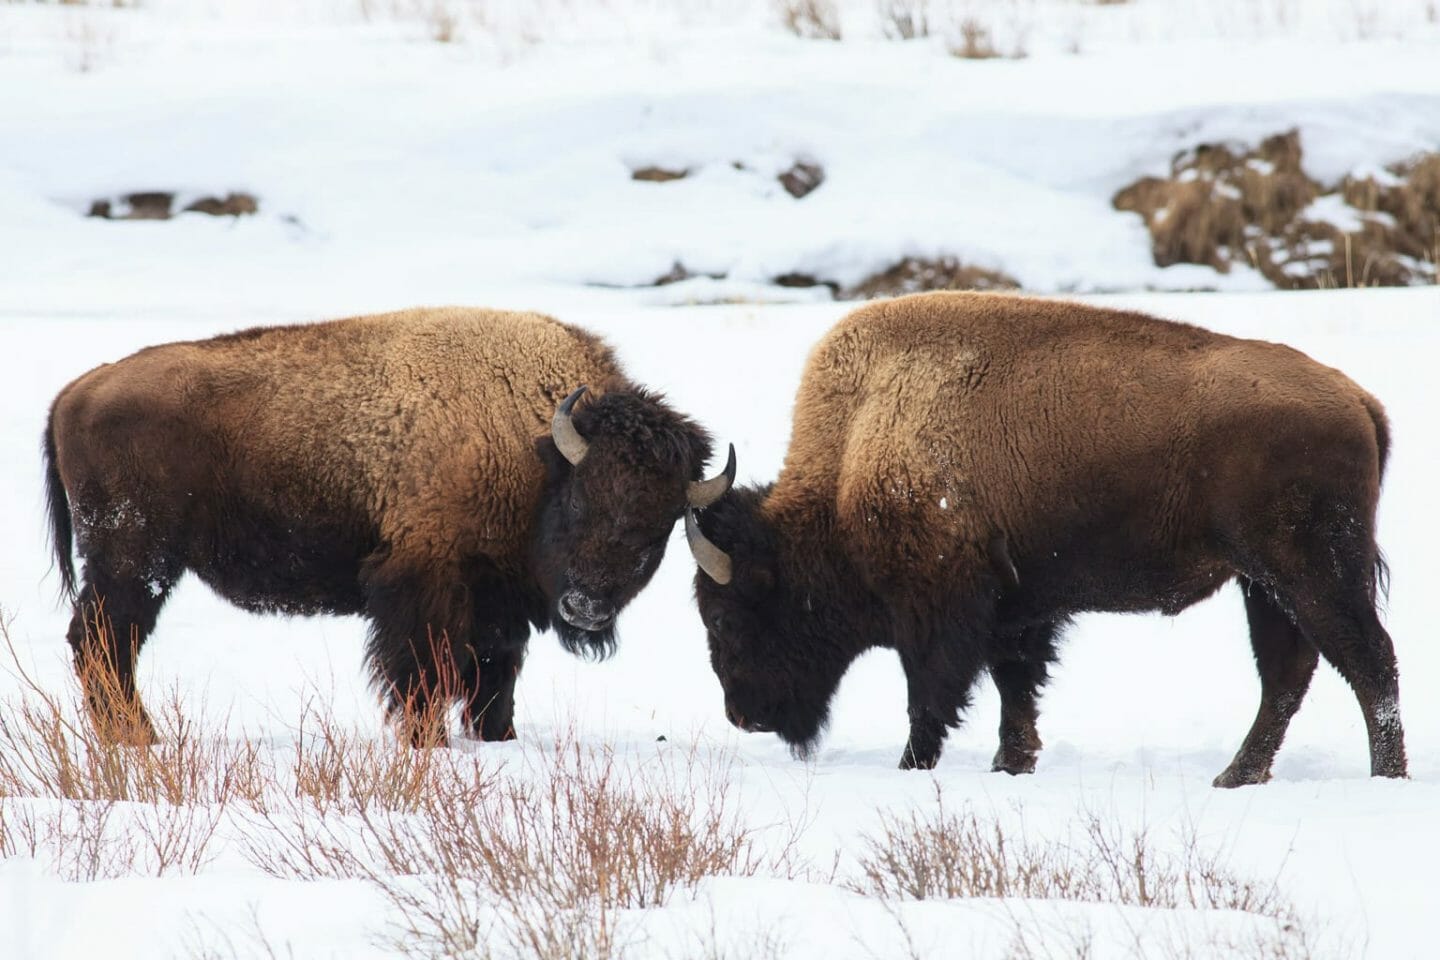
(1325, 572)
(1341, 620)
(1286, 661)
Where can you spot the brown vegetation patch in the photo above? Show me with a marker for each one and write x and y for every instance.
(904, 19)
(800, 281)
(160, 205)
(1224, 203)
(658, 174)
(811, 19)
(678, 272)
(802, 178)
(973, 41)
(917, 275)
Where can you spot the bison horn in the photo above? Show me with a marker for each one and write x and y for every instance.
(710, 558)
(701, 493)
(568, 441)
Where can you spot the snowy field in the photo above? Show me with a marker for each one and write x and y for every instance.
(393, 169)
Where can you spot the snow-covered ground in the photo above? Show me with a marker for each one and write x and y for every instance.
(393, 170)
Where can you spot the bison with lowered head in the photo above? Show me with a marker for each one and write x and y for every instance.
(967, 472)
(435, 471)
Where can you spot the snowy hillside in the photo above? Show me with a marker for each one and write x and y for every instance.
(391, 168)
(402, 152)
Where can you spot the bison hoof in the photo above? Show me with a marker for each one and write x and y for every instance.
(1235, 776)
(908, 761)
(1013, 765)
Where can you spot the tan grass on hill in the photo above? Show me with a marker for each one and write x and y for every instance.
(1224, 203)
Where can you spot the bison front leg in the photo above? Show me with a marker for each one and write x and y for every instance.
(939, 691)
(413, 619)
(1018, 681)
(490, 708)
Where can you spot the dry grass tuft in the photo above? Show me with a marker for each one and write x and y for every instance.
(810, 19)
(1223, 203)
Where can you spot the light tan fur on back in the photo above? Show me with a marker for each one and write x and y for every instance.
(906, 400)
(435, 439)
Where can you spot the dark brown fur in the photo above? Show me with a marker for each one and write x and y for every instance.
(396, 466)
(968, 471)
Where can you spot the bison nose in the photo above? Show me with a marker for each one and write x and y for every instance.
(585, 612)
(739, 720)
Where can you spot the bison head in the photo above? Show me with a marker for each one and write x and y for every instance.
(774, 619)
(620, 470)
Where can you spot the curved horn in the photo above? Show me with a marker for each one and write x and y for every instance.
(568, 441)
(710, 558)
(701, 493)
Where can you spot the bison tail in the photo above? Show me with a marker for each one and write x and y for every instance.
(1380, 576)
(1380, 582)
(58, 503)
(1382, 430)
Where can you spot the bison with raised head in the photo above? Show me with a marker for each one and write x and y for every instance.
(441, 472)
(967, 472)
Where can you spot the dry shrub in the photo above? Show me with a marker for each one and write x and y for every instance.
(947, 854)
(47, 750)
(84, 840)
(544, 859)
(918, 274)
(1223, 203)
(105, 806)
(904, 19)
(810, 19)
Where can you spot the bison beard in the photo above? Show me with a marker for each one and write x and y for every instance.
(411, 468)
(968, 471)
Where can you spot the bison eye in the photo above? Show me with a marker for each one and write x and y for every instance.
(574, 503)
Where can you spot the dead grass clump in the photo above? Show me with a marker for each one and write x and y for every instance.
(973, 41)
(658, 174)
(1224, 204)
(904, 19)
(810, 19)
(919, 274)
(160, 204)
